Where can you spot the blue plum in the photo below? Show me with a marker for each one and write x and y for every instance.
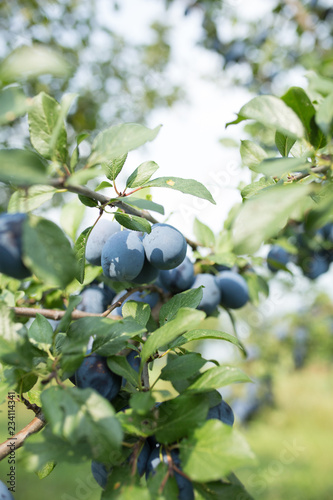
(95, 373)
(100, 473)
(277, 256)
(222, 412)
(11, 246)
(123, 256)
(134, 360)
(185, 488)
(150, 298)
(318, 263)
(148, 274)
(178, 279)
(165, 246)
(326, 232)
(211, 295)
(94, 300)
(5, 494)
(143, 457)
(97, 238)
(233, 288)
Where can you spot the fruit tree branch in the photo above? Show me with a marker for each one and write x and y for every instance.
(104, 200)
(29, 312)
(17, 441)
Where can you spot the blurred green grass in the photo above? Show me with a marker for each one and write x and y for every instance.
(292, 442)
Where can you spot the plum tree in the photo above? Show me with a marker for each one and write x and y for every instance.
(211, 295)
(97, 239)
(165, 246)
(5, 494)
(277, 256)
(95, 373)
(233, 288)
(222, 412)
(11, 246)
(123, 256)
(179, 278)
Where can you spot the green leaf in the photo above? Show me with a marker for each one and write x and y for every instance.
(142, 402)
(203, 234)
(113, 167)
(189, 298)
(46, 470)
(139, 311)
(27, 200)
(277, 167)
(252, 154)
(71, 217)
(184, 320)
(88, 202)
(275, 205)
(21, 167)
(179, 416)
(82, 415)
(80, 253)
(133, 222)
(28, 62)
(43, 119)
(111, 335)
(118, 140)
(142, 174)
(324, 115)
(65, 321)
(217, 377)
(40, 333)
(82, 176)
(283, 143)
(103, 185)
(206, 334)
(182, 367)
(255, 187)
(227, 491)
(47, 252)
(13, 103)
(323, 86)
(187, 186)
(142, 204)
(298, 101)
(213, 451)
(120, 365)
(272, 112)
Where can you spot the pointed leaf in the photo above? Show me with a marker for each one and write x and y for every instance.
(277, 167)
(27, 200)
(217, 377)
(139, 311)
(189, 298)
(47, 133)
(120, 366)
(283, 143)
(206, 334)
(40, 333)
(182, 367)
(80, 253)
(118, 140)
(187, 186)
(142, 174)
(143, 204)
(133, 222)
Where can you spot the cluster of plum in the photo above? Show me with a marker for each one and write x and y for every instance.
(314, 252)
(160, 258)
(147, 454)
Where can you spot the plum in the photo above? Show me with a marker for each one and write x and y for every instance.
(318, 263)
(94, 300)
(100, 473)
(148, 273)
(11, 246)
(277, 256)
(97, 239)
(179, 278)
(185, 488)
(95, 373)
(123, 256)
(233, 288)
(211, 295)
(165, 246)
(222, 412)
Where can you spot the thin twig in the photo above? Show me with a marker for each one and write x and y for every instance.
(29, 312)
(17, 441)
